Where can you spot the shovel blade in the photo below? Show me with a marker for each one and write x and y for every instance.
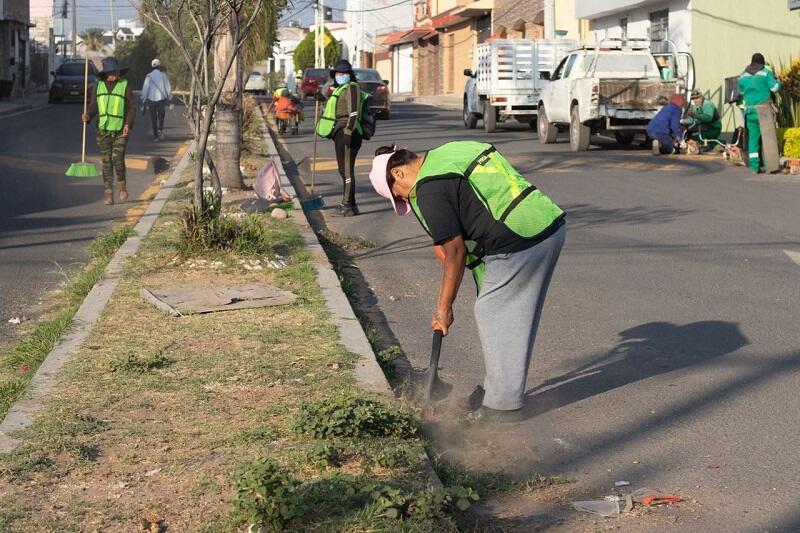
(430, 377)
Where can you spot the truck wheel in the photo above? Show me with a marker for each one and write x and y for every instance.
(470, 119)
(489, 117)
(547, 131)
(579, 133)
(624, 138)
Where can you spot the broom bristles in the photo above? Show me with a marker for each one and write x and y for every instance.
(82, 170)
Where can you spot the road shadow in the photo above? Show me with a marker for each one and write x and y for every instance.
(581, 215)
(644, 351)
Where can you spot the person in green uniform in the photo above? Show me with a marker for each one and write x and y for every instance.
(702, 118)
(341, 121)
(756, 84)
(113, 104)
(482, 214)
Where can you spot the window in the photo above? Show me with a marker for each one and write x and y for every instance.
(559, 69)
(659, 31)
(568, 67)
(483, 26)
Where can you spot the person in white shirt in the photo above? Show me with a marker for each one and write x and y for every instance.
(156, 95)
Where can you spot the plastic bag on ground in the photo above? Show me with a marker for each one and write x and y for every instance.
(268, 183)
(600, 507)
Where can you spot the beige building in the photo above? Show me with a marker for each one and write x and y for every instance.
(14, 47)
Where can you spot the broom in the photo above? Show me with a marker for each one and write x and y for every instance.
(83, 169)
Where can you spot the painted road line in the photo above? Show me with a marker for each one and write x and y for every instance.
(137, 163)
(331, 164)
(794, 256)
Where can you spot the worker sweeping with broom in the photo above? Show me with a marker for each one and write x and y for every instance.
(113, 104)
(484, 216)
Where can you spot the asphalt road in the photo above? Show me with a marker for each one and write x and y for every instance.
(669, 342)
(47, 219)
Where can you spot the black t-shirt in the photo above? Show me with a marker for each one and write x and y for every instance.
(451, 207)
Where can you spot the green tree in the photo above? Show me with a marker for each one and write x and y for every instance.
(304, 53)
(93, 39)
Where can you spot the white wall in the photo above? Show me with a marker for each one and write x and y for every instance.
(680, 23)
(362, 29)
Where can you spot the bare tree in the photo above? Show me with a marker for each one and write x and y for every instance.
(195, 26)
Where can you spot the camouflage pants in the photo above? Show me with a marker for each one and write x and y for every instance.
(112, 149)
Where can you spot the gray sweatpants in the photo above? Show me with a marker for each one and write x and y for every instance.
(507, 311)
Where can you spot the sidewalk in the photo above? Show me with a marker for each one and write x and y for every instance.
(210, 422)
(445, 101)
(31, 101)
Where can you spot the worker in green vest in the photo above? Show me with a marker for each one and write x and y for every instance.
(756, 84)
(113, 104)
(702, 118)
(341, 121)
(482, 215)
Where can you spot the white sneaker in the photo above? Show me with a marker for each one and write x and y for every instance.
(656, 147)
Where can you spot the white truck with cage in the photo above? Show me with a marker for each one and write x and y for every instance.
(613, 88)
(506, 81)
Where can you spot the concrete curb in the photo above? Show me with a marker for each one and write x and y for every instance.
(368, 371)
(20, 416)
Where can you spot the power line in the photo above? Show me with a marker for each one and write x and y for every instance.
(370, 10)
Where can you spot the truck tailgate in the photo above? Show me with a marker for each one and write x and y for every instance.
(634, 93)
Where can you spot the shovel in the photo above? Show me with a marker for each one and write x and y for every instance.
(431, 377)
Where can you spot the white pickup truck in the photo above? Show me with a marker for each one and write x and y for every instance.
(615, 90)
(506, 81)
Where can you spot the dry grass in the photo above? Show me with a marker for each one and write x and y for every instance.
(153, 414)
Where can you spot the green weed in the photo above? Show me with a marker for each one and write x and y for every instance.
(353, 417)
(138, 364)
(266, 495)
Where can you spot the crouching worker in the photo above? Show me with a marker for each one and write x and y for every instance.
(665, 127)
(485, 216)
(702, 119)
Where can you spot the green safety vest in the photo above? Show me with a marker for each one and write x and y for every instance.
(509, 198)
(328, 118)
(111, 106)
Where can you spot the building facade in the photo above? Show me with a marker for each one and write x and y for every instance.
(721, 36)
(14, 47)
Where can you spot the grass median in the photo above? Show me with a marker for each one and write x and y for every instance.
(213, 422)
(19, 362)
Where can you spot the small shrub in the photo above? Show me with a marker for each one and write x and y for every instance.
(249, 436)
(353, 417)
(399, 456)
(138, 364)
(389, 501)
(791, 146)
(266, 495)
(324, 454)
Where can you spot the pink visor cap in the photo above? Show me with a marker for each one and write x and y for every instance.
(378, 178)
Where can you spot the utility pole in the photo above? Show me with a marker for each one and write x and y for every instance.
(113, 24)
(74, 28)
(549, 19)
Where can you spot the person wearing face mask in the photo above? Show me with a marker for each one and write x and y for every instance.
(341, 121)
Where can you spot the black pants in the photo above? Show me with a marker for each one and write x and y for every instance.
(346, 159)
(157, 112)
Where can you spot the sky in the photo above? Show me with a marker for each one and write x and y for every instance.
(303, 11)
(95, 13)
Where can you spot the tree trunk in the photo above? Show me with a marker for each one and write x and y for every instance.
(228, 115)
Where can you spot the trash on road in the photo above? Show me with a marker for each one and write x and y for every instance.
(621, 483)
(610, 505)
(185, 300)
(713, 467)
(600, 507)
(649, 497)
(15, 320)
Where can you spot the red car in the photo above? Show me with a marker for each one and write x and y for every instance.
(313, 79)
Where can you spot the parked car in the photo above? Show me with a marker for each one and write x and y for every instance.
(378, 89)
(313, 79)
(505, 83)
(615, 88)
(68, 81)
(256, 83)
